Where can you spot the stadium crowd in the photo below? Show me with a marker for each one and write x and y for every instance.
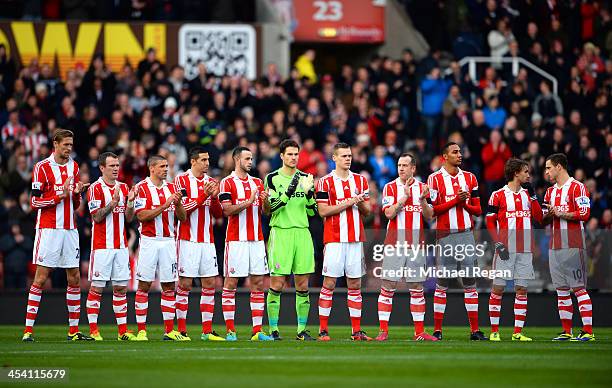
(382, 108)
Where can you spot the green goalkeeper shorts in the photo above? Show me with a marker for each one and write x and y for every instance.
(290, 251)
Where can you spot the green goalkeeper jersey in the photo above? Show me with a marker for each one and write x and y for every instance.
(289, 212)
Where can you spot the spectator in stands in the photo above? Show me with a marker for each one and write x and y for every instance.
(305, 66)
(382, 165)
(494, 114)
(499, 40)
(494, 156)
(434, 90)
(547, 104)
(309, 157)
(13, 127)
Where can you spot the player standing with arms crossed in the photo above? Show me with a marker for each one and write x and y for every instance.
(455, 198)
(569, 206)
(157, 205)
(405, 204)
(111, 205)
(342, 198)
(290, 248)
(197, 255)
(56, 195)
(242, 197)
(511, 209)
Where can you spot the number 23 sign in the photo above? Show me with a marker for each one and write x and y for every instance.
(337, 21)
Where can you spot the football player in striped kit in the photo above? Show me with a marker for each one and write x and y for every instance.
(568, 208)
(242, 197)
(456, 199)
(157, 205)
(343, 199)
(197, 255)
(511, 210)
(56, 195)
(111, 205)
(406, 205)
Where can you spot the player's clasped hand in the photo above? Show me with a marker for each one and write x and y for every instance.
(254, 195)
(173, 199)
(551, 210)
(132, 194)
(463, 195)
(263, 195)
(502, 251)
(116, 197)
(209, 188)
(424, 193)
(80, 187)
(307, 183)
(293, 185)
(66, 188)
(358, 199)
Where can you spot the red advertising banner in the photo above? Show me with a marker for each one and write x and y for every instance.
(339, 21)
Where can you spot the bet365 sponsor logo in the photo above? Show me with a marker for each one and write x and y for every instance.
(119, 209)
(562, 208)
(57, 187)
(519, 214)
(413, 208)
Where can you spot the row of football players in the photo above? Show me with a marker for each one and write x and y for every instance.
(450, 196)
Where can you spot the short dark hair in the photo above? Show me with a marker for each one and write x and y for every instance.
(195, 152)
(288, 143)
(105, 155)
(340, 145)
(62, 134)
(447, 145)
(239, 150)
(154, 159)
(408, 154)
(513, 167)
(557, 159)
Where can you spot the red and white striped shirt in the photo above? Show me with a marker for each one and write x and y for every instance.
(17, 132)
(110, 232)
(509, 218)
(572, 197)
(198, 227)
(149, 197)
(347, 226)
(443, 187)
(48, 178)
(409, 220)
(246, 225)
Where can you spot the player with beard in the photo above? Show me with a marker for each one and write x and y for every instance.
(242, 197)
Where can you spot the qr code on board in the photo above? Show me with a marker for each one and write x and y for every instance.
(226, 50)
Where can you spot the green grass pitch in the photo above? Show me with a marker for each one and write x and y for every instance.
(455, 362)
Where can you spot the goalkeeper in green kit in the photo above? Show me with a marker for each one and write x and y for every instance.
(290, 250)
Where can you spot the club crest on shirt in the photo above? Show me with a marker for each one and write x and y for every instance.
(387, 200)
(583, 201)
(433, 194)
(93, 205)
